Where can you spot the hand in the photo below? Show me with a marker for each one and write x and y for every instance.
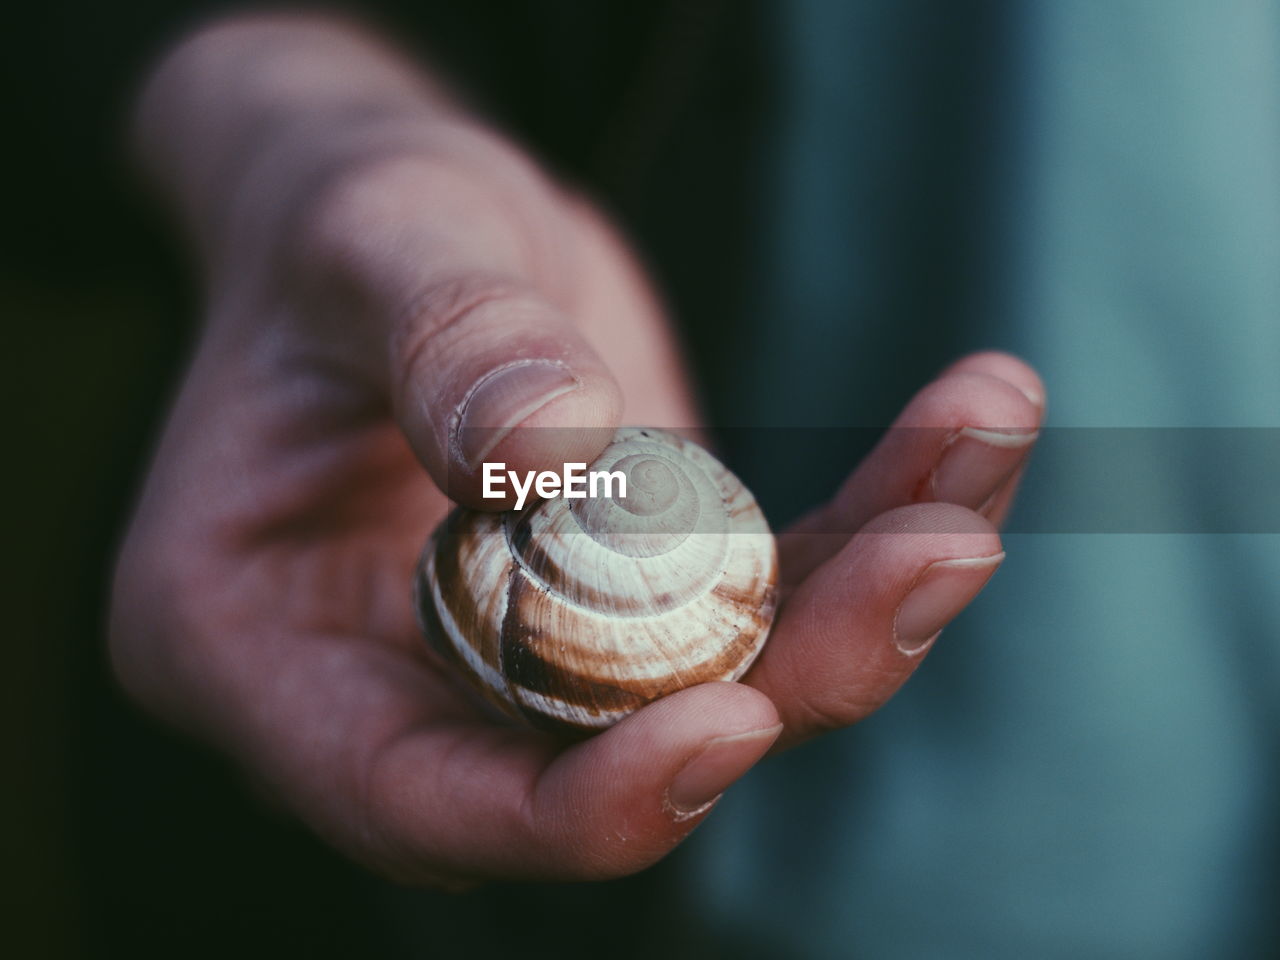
(383, 274)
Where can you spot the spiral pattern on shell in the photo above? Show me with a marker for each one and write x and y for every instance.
(573, 613)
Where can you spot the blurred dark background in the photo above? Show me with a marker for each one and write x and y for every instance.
(121, 838)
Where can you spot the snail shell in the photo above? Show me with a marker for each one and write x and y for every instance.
(572, 614)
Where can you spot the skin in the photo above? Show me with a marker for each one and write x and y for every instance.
(369, 253)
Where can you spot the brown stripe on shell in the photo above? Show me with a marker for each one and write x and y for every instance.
(456, 587)
(534, 557)
(443, 644)
(547, 573)
(759, 604)
(523, 667)
(731, 657)
(522, 535)
(433, 626)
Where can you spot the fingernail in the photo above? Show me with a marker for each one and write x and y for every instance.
(976, 463)
(940, 592)
(719, 763)
(1032, 394)
(503, 399)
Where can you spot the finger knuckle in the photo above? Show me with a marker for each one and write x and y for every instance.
(833, 710)
(459, 328)
(436, 317)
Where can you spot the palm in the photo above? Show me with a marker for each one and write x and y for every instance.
(331, 673)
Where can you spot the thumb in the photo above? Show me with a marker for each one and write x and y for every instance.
(448, 266)
(486, 370)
